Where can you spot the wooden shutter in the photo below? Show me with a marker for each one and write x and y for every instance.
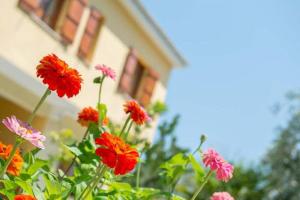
(72, 19)
(90, 35)
(31, 6)
(147, 87)
(131, 64)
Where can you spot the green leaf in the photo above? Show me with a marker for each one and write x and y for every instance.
(52, 186)
(174, 167)
(120, 186)
(177, 160)
(94, 129)
(97, 80)
(25, 177)
(33, 168)
(75, 150)
(25, 185)
(199, 171)
(8, 184)
(9, 193)
(38, 193)
(176, 197)
(61, 173)
(102, 110)
(29, 158)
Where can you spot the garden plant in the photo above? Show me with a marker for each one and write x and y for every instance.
(106, 156)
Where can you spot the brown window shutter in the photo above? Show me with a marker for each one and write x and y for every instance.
(147, 87)
(131, 63)
(90, 35)
(72, 19)
(31, 6)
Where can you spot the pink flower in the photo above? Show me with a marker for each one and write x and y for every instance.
(221, 196)
(25, 131)
(212, 159)
(215, 162)
(224, 173)
(107, 71)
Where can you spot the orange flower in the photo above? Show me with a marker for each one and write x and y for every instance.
(137, 113)
(59, 76)
(15, 166)
(116, 154)
(24, 197)
(89, 115)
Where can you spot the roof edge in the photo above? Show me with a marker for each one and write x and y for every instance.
(136, 8)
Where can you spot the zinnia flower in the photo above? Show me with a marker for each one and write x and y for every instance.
(212, 159)
(107, 71)
(221, 196)
(215, 162)
(224, 173)
(137, 112)
(116, 154)
(59, 76)
(89, 115)
(24, 197)
(15, 166)
(25, 131)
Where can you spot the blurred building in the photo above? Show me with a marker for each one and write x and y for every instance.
(117, 33)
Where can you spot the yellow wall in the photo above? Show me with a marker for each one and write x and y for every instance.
(24, 41)
(9, 108)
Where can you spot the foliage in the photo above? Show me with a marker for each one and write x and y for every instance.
(88, 168)
(158, 153)
(168, 161)
(282, 163)
(245, 185)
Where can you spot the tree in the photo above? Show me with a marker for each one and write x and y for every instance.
(160, 152)
(157, 153)
(282, 163)
(246, 184)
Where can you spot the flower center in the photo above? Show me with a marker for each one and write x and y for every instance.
(26, 130)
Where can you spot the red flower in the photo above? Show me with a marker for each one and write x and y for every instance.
(59, 76)
(24, 197)
(89, 115)
(137, 113)
(15, 166)
(116, 154)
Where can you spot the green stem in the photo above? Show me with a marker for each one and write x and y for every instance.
(199, 147)
(138, 173)
(202, 185)
(127, 132)
(174, 184)
(69, 168)
(101, 172)
(89, 184)
(124, 126)
(99, 102)
(11, 155)
(45, 95)
(74, 159)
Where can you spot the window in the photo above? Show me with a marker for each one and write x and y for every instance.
(90, 35)
(63, 16)
(137, 80)
(50, 10)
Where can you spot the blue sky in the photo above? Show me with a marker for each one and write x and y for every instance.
(243, 58)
